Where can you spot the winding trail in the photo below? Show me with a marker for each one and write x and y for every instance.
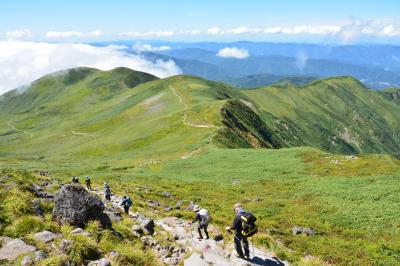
(19, 130)
(186, 107)
(194, 152)
(202, 252)
(80, 133)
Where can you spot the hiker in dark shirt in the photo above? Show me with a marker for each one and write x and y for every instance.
(88, 183)
(238, 237)
(107, 191)
(126, 203)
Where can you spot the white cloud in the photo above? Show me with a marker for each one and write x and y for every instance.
(19, 34)
(72, 34)
(215, 31)
(149, 48)
(23, 62)
(63, 34)
(244, 30)
(347, 32)
(189, 32)
(148, 33)
(374, 28)
(302, 29)
(95, 33)
(233, 52)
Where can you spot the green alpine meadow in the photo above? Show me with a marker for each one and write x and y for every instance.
(322, 155)
(200, 133)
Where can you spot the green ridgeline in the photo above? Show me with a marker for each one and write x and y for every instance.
(122, 113)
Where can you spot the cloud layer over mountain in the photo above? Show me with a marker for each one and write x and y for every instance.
(23, 62)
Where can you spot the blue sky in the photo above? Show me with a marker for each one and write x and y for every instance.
(195, 20)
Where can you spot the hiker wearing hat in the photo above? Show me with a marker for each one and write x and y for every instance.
(203, 218)
(75, 180)
(244, 226)
(88, 183)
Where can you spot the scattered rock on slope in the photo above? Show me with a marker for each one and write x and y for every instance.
(303, 230)
(45, 236)
(76, 206)
(15, 248)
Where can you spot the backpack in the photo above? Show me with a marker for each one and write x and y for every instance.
(205, 217)
(128, 202)
(249, 227)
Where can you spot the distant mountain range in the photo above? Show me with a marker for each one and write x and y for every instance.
(122, 113)
(377, 66)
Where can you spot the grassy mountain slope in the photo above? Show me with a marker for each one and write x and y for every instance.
(392, 94)
(351, 202)
(133, 130)
(104, 114)
(123, 114)
(337, 114)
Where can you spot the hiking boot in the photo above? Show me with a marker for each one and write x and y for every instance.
(240, 257)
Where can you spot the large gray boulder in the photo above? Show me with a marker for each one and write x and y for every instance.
(74, 205)
(45, 236)
(15, 248)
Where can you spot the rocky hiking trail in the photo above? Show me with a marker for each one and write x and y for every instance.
(170, 238)
(183, 245)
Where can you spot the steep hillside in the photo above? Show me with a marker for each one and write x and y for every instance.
(91, 114)
(122, 114)
(336, 114)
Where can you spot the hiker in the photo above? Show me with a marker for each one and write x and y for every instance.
(203, 218)
(126, 203)
(107, 191)
(88, 183)
(75, 180)
(244, 227)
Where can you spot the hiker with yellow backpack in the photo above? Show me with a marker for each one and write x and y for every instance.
(244, 227)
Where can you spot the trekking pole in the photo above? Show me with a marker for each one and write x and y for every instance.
(191, 233)
(252, 244)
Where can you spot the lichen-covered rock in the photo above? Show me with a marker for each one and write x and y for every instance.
(15, 248)
(80, 231)
(40, 255)
(303, 230)
(65, 245)
(100, 262)
(45, 236)
(27, 260)
(74, 205)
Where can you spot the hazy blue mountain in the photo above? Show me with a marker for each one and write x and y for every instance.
(377, 66)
